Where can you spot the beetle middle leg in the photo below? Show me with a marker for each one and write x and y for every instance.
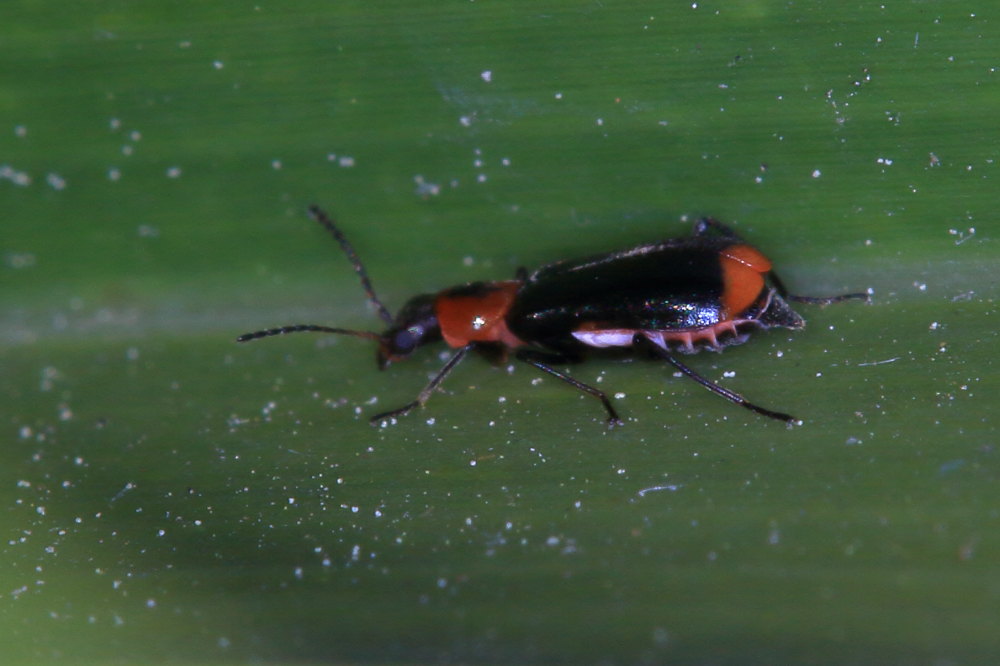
(642, 342)
(541, 360)
(425, 394)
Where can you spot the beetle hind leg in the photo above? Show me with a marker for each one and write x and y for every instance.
(779, 286)
(827, 300)
(731, 396)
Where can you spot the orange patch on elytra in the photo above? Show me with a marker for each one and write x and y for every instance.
(479, 317)
(743, 269)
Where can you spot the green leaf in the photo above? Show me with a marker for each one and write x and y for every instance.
(169, 494)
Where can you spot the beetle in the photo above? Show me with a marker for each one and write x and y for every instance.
(706, 291)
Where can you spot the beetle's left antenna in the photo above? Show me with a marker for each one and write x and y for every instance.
(352, 256)
(301, 328)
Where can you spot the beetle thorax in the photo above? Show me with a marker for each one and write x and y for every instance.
(477, 313)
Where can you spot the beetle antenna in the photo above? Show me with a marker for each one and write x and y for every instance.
(352, 256)
(301, 328)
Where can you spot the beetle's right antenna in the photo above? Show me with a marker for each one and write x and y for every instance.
(352, 256)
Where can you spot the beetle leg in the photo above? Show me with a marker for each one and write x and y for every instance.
(732, 396)
(817, 300)
(428, 390)
(707, 225)
(521, 274)
(826, 300)
(541, 361)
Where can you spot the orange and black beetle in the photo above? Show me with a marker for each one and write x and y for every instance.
(681, 295)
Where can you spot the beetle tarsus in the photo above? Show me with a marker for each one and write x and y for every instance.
(378, 419)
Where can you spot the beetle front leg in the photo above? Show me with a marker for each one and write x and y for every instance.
(428, 390)
(641, 341)
(541, 360)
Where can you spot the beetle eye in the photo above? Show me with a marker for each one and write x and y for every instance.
(406, 340)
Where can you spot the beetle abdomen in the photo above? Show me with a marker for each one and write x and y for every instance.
(689, 341)
(768, 310)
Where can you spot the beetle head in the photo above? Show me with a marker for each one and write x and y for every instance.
(415, 325)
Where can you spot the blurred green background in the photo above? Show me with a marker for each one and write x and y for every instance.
(169, 495)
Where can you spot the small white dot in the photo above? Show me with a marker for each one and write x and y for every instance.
(55, 181)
